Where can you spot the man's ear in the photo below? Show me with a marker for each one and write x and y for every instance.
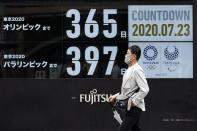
(135, 56)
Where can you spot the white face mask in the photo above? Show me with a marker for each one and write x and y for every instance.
(127, 59)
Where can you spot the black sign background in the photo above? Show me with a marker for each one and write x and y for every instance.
(53, 104)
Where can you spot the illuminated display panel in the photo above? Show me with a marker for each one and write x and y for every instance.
(90, 42)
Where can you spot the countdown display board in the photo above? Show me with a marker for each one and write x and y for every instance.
(165, 35)
(160, 23)
(89, 42)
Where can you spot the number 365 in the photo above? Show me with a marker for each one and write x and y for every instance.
(91, 27)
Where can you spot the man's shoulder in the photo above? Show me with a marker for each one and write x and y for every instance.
(138, 71)
(138, 68)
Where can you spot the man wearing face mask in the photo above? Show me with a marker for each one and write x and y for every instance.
(135, 87)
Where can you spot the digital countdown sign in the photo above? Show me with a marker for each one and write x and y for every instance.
(165, 35)
(160, 23)
(71, 42)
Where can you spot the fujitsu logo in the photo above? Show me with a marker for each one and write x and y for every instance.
(94, 97)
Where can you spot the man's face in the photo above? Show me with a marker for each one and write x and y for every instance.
(132, 56)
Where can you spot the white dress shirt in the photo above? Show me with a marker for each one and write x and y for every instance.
(134, 79)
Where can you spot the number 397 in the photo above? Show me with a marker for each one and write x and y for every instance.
(91, 57)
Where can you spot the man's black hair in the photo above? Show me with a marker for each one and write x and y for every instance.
(135, 50)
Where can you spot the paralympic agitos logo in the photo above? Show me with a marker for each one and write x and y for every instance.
(93, 97)
(171, 55)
